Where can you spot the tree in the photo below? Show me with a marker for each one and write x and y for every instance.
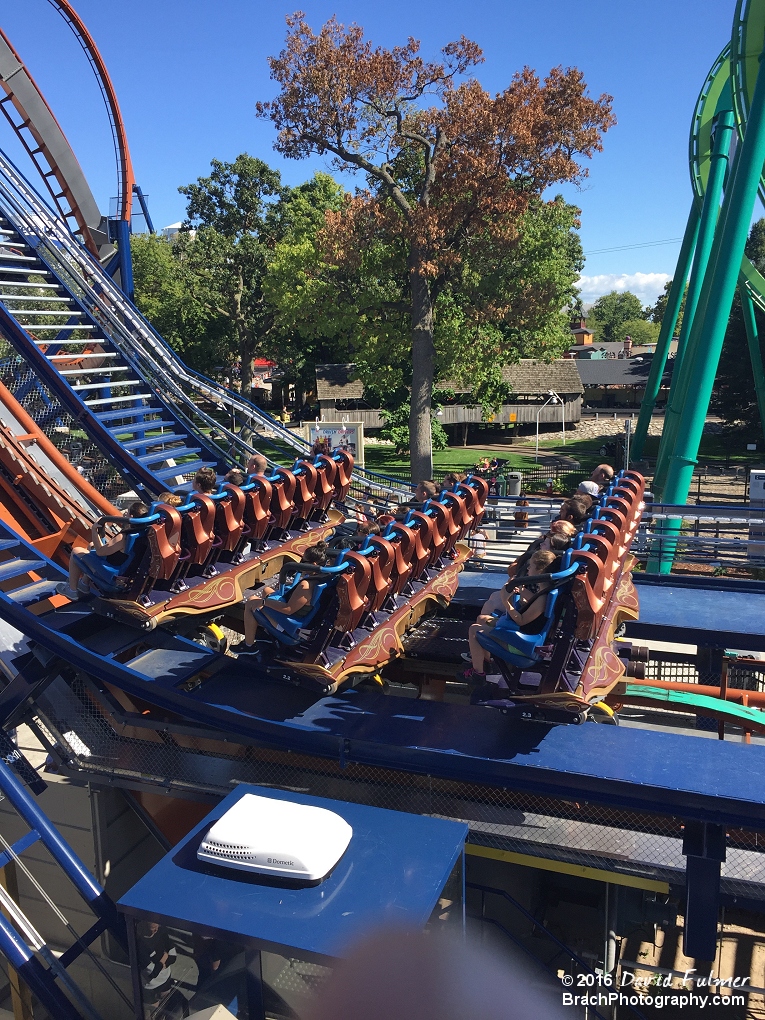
(612, 310)
(163, 295)
(232, 213)
(642, 332)
(396, 429)
(444, 180)
(358, 307)
(656, 314)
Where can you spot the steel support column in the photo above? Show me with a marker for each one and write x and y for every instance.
(671, 312)
(755, 354)
(720, 286)
(122, 236)
(678, 391)
(704, 850)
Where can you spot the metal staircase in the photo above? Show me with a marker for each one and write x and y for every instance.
(57, 300)
(73, 356)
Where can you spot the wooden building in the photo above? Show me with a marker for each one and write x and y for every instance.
(340, 392)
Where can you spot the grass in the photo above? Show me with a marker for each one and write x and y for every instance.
(454, 458)
(458, 458)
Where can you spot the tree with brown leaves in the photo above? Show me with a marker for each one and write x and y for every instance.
(450, 168)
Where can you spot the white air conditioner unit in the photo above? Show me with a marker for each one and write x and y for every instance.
(277, 838)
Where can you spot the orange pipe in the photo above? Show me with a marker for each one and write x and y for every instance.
(755, 698)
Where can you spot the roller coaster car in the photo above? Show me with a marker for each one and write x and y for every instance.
(566, 669)
(199, 558)
(365, 602)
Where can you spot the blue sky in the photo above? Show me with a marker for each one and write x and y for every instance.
(188, 74)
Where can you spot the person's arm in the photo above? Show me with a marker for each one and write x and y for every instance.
(300, 597)
(533, 612)
(112, 544)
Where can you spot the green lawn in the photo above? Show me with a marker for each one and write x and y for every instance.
(455, 458)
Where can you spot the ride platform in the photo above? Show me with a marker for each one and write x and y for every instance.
(705, 611)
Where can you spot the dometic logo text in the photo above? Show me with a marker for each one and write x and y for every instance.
(275, 860)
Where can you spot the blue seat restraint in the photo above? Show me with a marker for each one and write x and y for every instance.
(107, 576)
(509, 644)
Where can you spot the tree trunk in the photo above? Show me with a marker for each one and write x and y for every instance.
(423, 351)
(246, 354)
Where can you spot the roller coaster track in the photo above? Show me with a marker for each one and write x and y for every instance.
(736, 67)
(718, 130)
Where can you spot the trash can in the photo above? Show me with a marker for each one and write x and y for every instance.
(514, 480)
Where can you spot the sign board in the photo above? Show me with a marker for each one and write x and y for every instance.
(513, 416)
(346, 434)
(751, 446)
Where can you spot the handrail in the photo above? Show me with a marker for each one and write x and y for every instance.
(131, 333)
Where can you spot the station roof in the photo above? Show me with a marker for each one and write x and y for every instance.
(528, 377)
(338, 382)
(392, 873)
(617, 371)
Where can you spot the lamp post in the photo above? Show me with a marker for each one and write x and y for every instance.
(562, 413)
(552, 398)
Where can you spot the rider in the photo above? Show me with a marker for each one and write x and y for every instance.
(108, 547)
(256, 465)
(299, 598)
(527, 616)
(603, 475)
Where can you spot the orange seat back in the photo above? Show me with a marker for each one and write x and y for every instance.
(352, 592)
(257, 507)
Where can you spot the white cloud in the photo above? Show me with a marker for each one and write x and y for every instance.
(647, 286)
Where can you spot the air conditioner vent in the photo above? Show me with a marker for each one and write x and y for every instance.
(278, 838)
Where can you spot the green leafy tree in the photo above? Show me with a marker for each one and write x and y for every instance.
(642, 332)
(297, 218)
(450, 168)
(164, 297)
(656, 314)
(484, 319)
(611, 311)
(396, 429)
(224, 268)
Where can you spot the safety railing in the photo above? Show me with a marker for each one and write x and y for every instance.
(723, 536)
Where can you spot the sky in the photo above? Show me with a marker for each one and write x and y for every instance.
(189, 72)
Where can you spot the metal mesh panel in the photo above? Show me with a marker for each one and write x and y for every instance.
(58, 424)
(186, 761)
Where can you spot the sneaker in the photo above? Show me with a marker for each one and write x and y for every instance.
(62, 588)
(471, 676)
(244, 649)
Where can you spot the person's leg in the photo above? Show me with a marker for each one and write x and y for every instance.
(493, 604)
(77, 579)
(75, 569)
(478, 655)
(250, 622)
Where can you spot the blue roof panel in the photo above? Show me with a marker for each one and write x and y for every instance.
(392, 873)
